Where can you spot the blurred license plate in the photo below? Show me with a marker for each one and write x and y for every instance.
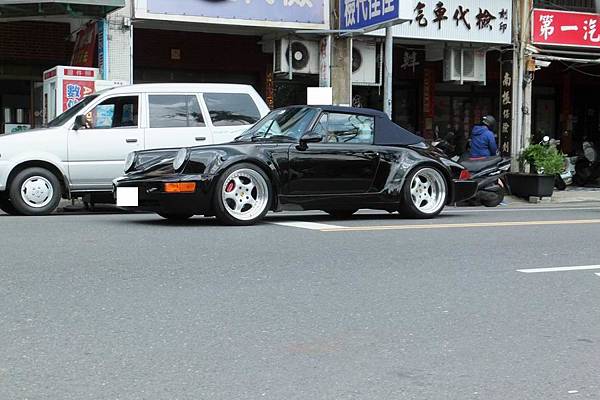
(127, 197)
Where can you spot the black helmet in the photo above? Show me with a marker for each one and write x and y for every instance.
(489, 121)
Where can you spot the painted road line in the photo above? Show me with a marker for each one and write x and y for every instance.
(454, 226)
(560, 269)
(307, 225)
(597, 274)
(493, 210)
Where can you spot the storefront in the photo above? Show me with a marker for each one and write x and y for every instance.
(227, 42)
(34, 37)
(564, 101)
(449, 64)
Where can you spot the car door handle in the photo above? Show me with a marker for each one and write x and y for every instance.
(200, 138)
(131, 140)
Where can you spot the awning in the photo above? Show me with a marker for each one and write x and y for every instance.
(70, 8)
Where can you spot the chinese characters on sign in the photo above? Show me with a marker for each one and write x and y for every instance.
(409, 60)
(566, 28)
(75, 91)
(360, 14)
(505, 126)
(484, 19)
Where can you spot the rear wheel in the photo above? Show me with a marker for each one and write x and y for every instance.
(175, 216)
(242, 195)
(341, 214)
(35, 191)
(424, 193)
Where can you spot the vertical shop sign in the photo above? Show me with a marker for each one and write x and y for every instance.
(506, 106)
(103, 48)
(428, 106)
(74, 91)
(85, 47)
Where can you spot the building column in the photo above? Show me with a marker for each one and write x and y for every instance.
(119, 42)
(341, 61)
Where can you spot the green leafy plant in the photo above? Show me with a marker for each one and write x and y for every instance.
(544, 160)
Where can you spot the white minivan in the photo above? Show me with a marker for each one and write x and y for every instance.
(81, 151)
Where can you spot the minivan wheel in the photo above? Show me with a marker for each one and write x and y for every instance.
(35, 191)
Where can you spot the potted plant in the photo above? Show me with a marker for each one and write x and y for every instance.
(545, 162)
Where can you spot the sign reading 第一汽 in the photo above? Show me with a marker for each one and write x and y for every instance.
(281, 11)
(563, 28)
(476, 21)
(364, 14)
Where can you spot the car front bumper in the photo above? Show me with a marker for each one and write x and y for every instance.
(152, 197)
(463, 190)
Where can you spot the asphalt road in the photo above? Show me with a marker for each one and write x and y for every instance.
(133, 307)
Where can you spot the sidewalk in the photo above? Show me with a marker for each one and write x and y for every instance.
(573, 194)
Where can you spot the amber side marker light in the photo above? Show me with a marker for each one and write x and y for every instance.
(180, 187)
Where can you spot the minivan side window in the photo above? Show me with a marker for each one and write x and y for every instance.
(174, 111)
(228, 109)
(116, 112)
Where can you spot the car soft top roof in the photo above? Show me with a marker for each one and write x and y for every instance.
(386, 131)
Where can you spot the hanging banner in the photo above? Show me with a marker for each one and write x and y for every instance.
(564, 28)
(506, 105)
(85, 46)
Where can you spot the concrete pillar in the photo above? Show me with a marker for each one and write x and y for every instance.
(120, 44)
(341, 62)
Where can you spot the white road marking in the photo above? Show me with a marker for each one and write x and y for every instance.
(597, 273)
(560, 269)
(307, 225)
(466, 210)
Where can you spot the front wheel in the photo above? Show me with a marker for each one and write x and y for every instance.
(242, 195)
(35, 191)
(424, 193)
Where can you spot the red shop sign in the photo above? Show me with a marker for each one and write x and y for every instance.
(564, 28)
(74, 91)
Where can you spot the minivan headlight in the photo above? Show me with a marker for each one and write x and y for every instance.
(129, 161)
(180, 158)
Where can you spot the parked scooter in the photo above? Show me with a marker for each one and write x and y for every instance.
(488, 172)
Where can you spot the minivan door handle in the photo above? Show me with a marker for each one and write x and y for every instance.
(200, 138)
(131, 140)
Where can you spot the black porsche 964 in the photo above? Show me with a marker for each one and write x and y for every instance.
(335, 159)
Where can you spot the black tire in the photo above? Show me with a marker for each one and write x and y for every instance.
(492, 199)
(559, 183)
(175, 216)
(7, 207)
(49, 180)
(341, 214)
(225, 214)
(408, 208)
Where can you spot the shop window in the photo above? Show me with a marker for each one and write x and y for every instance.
(116, 112)
(347, 128)
(227, 109)
(174, 111)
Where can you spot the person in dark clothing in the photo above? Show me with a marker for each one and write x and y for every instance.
(483, 142)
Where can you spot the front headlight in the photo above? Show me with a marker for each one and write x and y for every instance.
(179, 159)
(129, 161)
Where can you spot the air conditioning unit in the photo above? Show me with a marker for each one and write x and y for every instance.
(305, 56)
(470, 61)
(364, 63)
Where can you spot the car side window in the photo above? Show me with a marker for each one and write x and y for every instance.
(116, 112)
(349, 128)
(174, 111)
(229, 109)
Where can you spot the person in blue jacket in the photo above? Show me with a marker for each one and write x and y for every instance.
(483, 142)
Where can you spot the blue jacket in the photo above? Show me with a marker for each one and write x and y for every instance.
(483, 143)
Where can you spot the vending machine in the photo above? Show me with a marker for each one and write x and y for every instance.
(65, 86)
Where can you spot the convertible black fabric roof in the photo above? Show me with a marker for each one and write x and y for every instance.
(386, 131)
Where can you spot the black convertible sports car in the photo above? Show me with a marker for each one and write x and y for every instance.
(336, 159)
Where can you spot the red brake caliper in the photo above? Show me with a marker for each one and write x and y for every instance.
(230, 186)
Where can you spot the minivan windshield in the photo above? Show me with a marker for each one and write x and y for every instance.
(291, 123)
(71, 112)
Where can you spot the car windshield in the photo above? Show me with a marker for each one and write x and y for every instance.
(71, 112)
(289, 123)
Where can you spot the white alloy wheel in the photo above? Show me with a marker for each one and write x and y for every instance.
(245, 194)
(37, 191)
(428, 191)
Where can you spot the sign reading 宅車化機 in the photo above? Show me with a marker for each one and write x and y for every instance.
(362, 14)
(243, 12)
(562, 28)
(475, 21)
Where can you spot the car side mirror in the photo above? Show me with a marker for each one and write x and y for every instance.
(79, 122)
(310, 137)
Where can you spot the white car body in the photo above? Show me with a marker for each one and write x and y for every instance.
(87, 160)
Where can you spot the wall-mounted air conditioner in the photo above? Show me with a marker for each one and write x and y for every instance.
(364, 63)
(464, 64)
(305, 56)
